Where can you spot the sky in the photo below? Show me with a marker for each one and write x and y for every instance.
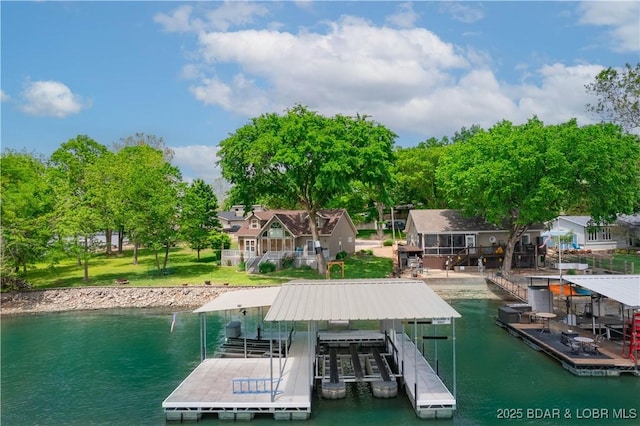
(193, 73)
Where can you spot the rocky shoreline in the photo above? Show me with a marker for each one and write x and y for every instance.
(92, 298)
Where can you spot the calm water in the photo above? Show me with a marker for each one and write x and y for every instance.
(116, 368)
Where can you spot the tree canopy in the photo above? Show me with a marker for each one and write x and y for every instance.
(618, 95)
(305, 158)
(26, 211)
(516, 176)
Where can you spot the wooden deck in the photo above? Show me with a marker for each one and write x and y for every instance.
(609, 360)
(428, 394)
(239, 388)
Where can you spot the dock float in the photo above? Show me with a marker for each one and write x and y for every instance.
(240, 388)
(428, 394)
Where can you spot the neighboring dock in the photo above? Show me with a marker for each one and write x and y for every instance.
(607, 361)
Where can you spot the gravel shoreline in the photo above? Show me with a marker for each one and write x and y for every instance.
(92, 298)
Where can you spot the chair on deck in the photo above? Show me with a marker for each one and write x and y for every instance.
(594, 347)
(574, 347)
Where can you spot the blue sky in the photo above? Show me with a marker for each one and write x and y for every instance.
(194, 72)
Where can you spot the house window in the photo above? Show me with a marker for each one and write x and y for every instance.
(255, 224)
(250, 246)
(592, 234)
(430, 240)
(318, 222)
(525, 239)
(310, 249)
(606, 233)
(276, 231)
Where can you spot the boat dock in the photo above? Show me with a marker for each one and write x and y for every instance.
(608, 360)
(256, 378)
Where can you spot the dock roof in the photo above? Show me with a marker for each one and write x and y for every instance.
(238, 299)
(622, 288)
(366, 299)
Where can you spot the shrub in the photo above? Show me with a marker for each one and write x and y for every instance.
(266, 267)
(287, 261)
(242, 266)
(387, 243)
(341, 255)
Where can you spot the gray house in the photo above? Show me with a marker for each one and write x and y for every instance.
(444, 235)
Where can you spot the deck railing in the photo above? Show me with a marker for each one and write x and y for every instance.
(513, 284)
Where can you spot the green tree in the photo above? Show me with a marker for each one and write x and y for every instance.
(199, 215)
(149, 191)
(306, 158)
(416, 176)
(516, 176)
(618, 95)
(78, 215)
(219, 241)
(26, 212)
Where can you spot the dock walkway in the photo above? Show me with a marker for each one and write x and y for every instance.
(428, 394)
(239, 388)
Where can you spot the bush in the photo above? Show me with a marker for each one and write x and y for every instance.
(287, 261)
(341, 255)
(242, 266)
(387, 243)
(366, 252)
(266, 267)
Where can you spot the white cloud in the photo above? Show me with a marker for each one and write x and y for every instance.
(51, 98)
(408, 79)
(405, 18)
(229, 14)
(463, 12)
(620, 17)
(197, 161)
(3, 96)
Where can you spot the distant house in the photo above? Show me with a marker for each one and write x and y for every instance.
(588, 235)
(273, 235)
(444, 235)
(630, 229)
(233, 219)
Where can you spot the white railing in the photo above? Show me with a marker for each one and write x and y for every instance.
(300, 258)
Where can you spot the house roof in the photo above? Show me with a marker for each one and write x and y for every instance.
(433, 221)
(578, 220)
(440, 221)
(365, 299)
(295, 221)
(633, 219)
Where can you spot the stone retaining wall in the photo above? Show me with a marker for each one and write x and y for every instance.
(70, 299)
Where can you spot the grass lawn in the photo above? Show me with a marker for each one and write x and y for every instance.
(184, 268)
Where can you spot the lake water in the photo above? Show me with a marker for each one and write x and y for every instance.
(116, 368)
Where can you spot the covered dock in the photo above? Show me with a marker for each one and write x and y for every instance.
(594, 329)
(282, 382)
